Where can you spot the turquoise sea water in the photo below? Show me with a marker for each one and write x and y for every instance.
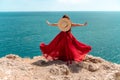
(22, 32)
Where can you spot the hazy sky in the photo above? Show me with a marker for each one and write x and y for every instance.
(59, 5)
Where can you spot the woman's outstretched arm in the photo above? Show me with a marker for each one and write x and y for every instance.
(50, 24)
(75, 24)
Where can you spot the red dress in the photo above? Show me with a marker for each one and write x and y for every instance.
(65, 47)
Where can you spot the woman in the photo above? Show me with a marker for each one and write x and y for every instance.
(64, 46)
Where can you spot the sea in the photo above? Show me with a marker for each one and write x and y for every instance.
(22, 32)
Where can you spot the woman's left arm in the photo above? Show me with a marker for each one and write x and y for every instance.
(74, 24)
(51, 24)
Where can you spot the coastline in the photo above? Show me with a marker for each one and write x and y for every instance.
(13, 67)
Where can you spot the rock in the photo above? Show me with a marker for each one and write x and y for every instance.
(54, 70)
(90, 58)
(11, 57)
(64, 70)
(59, 70)
(105, 66)
(117, 76)
(13, 67)
(93, 68)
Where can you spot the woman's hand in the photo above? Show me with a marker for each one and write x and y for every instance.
(48, 22)
(85, 23)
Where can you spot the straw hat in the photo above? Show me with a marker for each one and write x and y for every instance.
(64, 24)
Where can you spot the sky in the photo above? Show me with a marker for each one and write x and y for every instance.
(59, 5)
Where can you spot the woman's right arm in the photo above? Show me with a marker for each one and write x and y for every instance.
(75, 24)
(54, 24)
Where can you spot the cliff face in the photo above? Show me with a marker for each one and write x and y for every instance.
(13, 67)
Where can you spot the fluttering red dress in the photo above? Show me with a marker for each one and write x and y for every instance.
(65, 47)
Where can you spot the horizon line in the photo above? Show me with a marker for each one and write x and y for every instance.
(64, 11)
